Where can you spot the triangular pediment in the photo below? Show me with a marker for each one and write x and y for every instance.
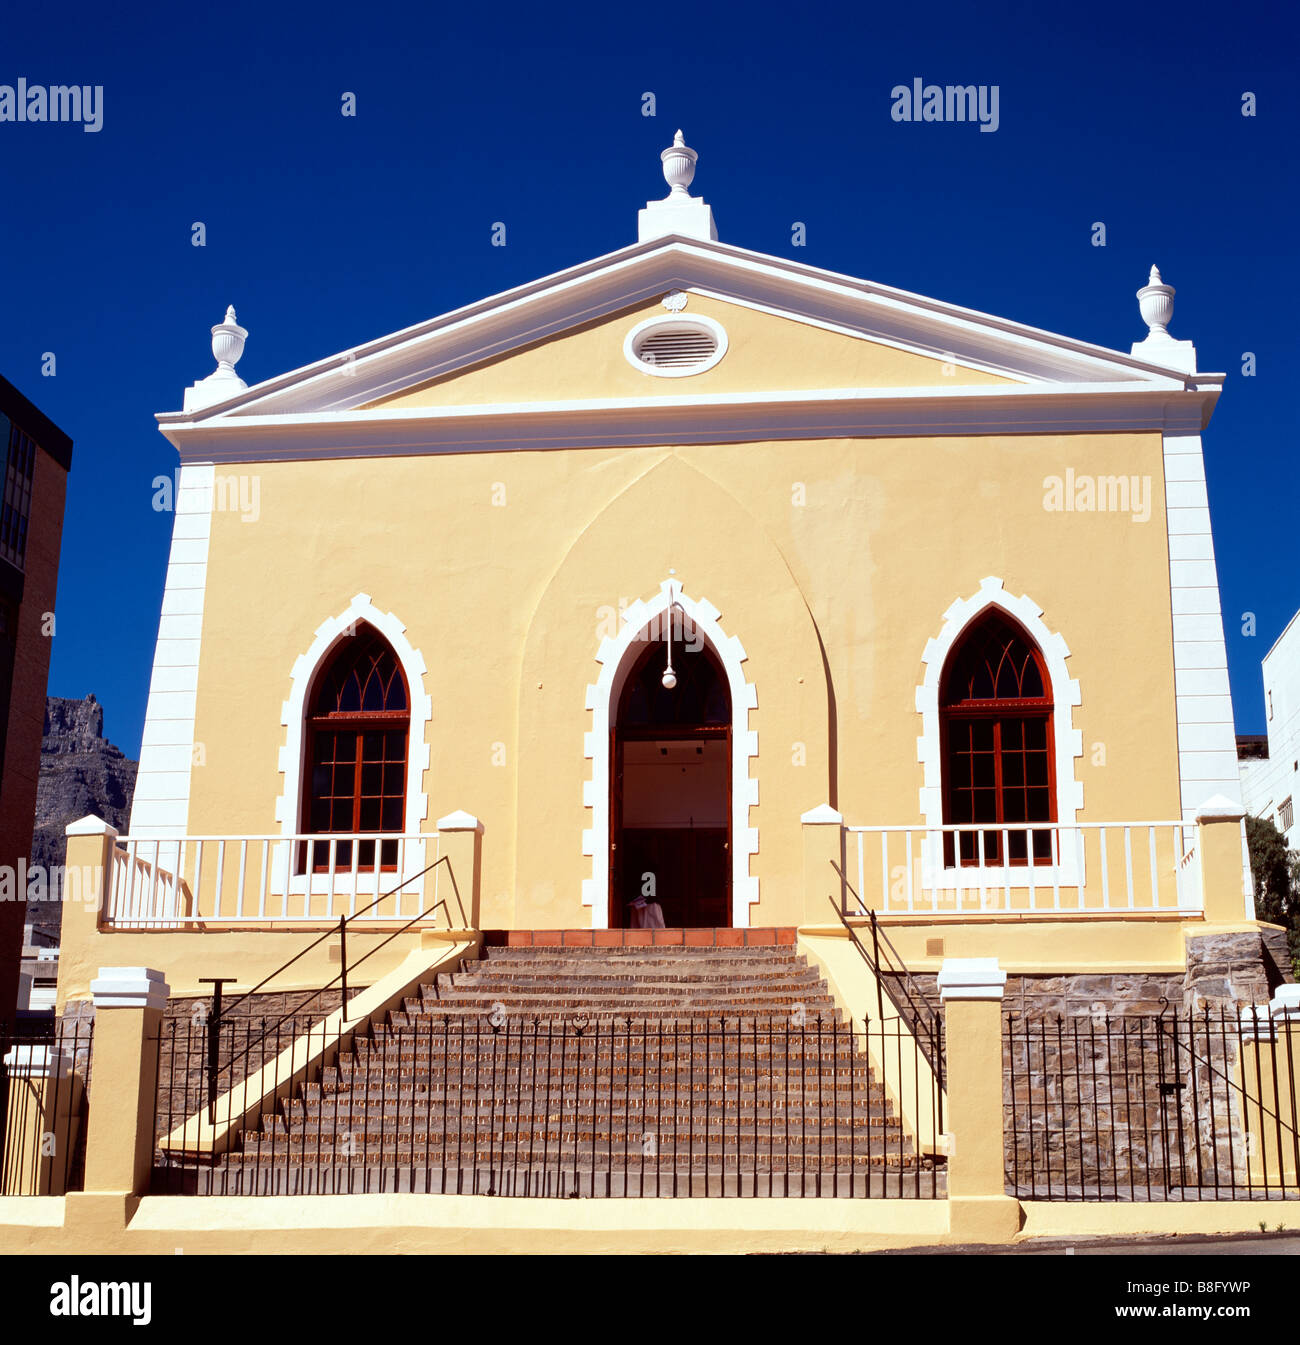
(792, 331)
(765, 352)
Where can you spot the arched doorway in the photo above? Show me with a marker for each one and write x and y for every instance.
(670, 767)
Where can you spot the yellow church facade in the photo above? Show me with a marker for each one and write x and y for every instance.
(692, 580)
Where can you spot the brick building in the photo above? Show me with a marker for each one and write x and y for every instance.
(37, 456)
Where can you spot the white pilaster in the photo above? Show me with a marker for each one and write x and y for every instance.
(1207, 744)
(161, 803)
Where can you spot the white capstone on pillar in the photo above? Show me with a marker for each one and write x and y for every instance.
(37, 1062)
(679, 212)
(129, 988)
(460, 841)
(1284, 1007)
(971, 978)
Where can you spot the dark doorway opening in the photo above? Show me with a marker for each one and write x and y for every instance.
(670, 823)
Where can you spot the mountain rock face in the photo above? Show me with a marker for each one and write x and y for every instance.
(81, 772)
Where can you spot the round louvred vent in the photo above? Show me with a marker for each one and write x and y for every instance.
(675, 347)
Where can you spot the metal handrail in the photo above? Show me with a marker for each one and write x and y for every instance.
(924, 1015)
(217, 1016)
(878, 936)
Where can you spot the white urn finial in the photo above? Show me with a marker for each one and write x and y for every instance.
(228, 339)
(1156, 304)
(679, 165)
(228, 343)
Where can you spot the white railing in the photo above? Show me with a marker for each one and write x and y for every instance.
(1086, 867)
(196, 881)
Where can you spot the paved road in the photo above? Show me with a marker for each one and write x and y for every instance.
(1241, 1244)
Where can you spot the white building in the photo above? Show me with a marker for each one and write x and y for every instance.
(1269, 785)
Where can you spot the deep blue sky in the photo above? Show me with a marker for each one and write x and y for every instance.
(326, 231)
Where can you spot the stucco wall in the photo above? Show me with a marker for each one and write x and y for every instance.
(832, 561)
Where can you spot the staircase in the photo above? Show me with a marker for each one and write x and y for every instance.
(598, 1071)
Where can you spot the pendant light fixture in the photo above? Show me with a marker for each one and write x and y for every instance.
(669, 678)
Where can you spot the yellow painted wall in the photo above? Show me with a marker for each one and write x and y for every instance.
(508, 602)
(380, 1224)
(588, 361)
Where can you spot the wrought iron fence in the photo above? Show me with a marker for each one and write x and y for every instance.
(43, 1108)
(1171, 1107)
(543, 1107)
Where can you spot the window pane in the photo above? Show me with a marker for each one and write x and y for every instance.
(362, 677)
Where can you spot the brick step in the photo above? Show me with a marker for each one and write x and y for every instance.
(745, 1123)
(600, 974)
(572, 987)
(695, 1045)
(457, 1072)
(683, 1066)
(839, 1102)
(671, 968)
(768, 954)
(467, 1073)
(557, 1003)
(861, 1144)
(644, 1041)
(775, 1023)
(767, 1011)
(597, 1153)
(843, 1101)
(513, 1078)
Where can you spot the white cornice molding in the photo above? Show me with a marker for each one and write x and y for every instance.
(684, 419)
(632, 275)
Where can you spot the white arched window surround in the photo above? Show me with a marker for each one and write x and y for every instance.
(615, 656)
(293, 716)
(1068, 741)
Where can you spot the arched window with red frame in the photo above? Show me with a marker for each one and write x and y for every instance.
(995, 715)
(358, 726)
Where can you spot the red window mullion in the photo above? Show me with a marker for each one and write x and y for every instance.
(356, 786)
